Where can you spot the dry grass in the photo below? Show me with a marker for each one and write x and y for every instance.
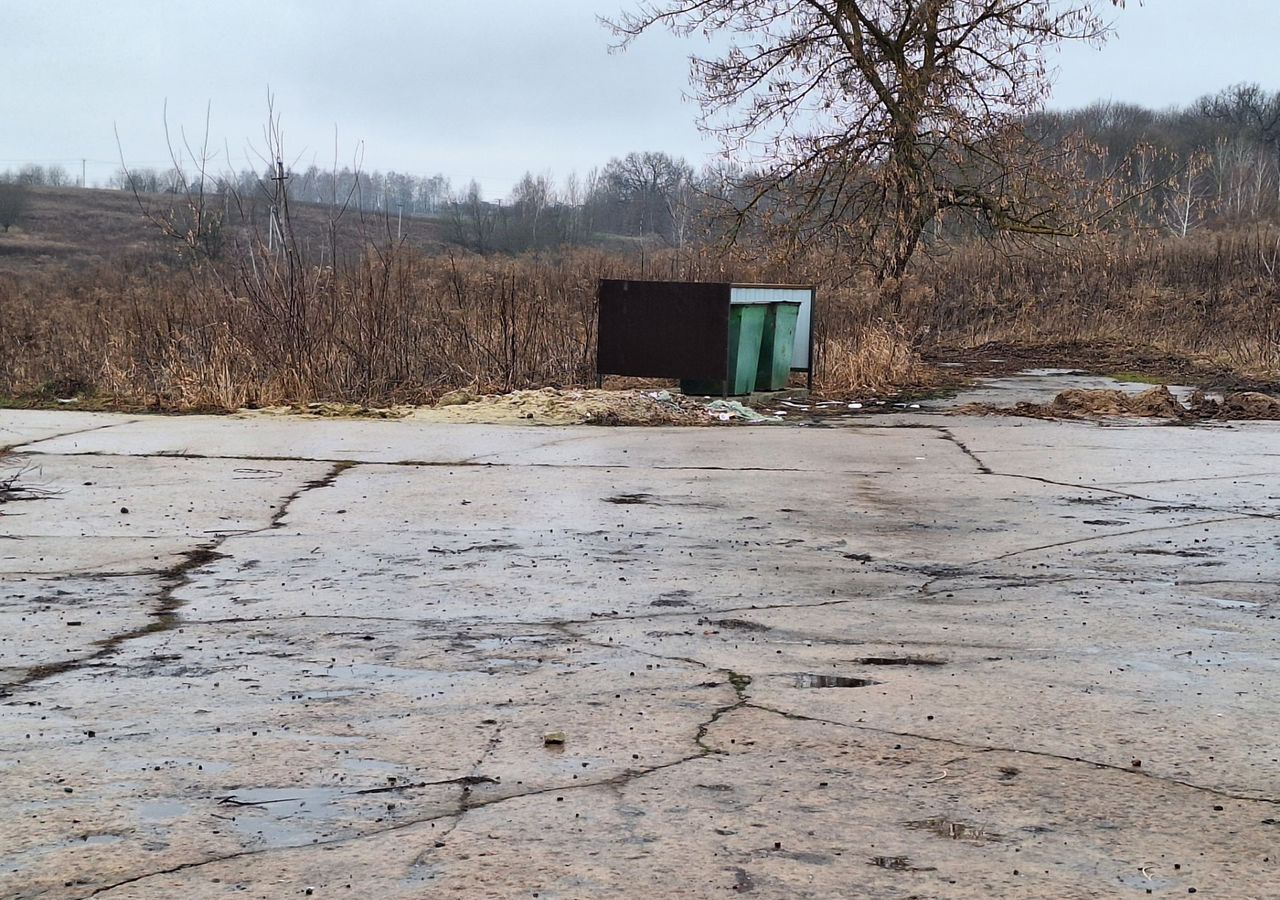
(73, 230)
(392, 324)
(1213, 297)
(879, 359)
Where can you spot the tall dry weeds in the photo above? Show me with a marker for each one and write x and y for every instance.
(878, 360)
(392, 325)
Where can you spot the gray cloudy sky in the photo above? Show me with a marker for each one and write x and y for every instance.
(464, 87)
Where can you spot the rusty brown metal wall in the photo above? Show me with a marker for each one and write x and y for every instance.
(663, 329)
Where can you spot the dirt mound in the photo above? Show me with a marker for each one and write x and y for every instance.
(1249, 405)
(1155, 403)
(549, 406)
(545, 406)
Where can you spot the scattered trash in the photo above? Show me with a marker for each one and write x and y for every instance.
(553, 739)
(726, 410)
(458, 398)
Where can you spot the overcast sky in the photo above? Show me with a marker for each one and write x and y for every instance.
(462, 87)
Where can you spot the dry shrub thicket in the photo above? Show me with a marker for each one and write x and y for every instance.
(395, 325)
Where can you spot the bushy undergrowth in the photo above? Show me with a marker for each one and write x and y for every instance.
(398, 326)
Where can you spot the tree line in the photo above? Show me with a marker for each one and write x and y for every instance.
(1213, 162)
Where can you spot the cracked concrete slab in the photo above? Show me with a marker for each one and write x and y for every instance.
(23, 426)
(935, 658)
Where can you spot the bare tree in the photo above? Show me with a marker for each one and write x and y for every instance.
(869, 118)
(530, 200)
(1183, 209)
(472, 220)
(13, 202)
(193, 221)
(647, 192)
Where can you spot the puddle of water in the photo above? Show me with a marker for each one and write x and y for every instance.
(956, 831)
(900, 661)
(1030, 386)
(283, 816)
(1233, 604)
(1049, 373)
(307, 803)
(320, 696)
(95, 840)
(832, 681)
(162, 810)
(1042, 386)
(1145, 881)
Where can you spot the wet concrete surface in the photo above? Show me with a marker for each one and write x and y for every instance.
(1041, 386)
(1038, 386)
(906, 657)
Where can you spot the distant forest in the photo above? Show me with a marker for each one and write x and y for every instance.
(1212, 163)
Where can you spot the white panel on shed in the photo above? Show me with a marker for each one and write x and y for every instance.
(804, 324)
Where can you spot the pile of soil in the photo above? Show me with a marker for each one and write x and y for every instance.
(549, 406)
(1249, 405)
(545, 406)
(998, 359)
(1155, 403)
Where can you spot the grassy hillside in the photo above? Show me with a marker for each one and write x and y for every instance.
(77, 228)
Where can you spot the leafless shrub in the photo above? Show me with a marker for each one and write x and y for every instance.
(393, 325)
(15, 482)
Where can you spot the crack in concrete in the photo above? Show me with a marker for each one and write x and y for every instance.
(1113, 534)
(465, 806)
(988, 748)
(613, 780)
(165, 616)
(327, 480)
(1172, 505)
(566, 631)
(14, 448)
(465, 802)
(560, 442)
(985, 469)
(466, 463)
(740, 684)
(464, 798)
(1235, 477)
(948, 435)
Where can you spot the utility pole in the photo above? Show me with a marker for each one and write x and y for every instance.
(83, 181)
(278, 206)
(399, 217)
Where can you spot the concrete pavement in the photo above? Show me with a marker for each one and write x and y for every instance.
(912, 656)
